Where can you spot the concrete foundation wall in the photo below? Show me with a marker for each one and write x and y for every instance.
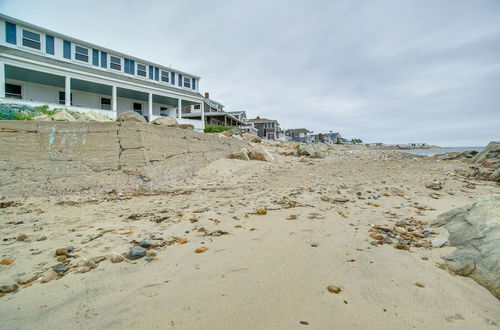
(39, 158)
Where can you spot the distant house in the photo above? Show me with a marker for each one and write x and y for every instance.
(267, 128)
(328, 138)
(213, 114)
(298, 134)
(242, 116)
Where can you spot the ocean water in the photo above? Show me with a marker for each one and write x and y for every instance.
(432, 152)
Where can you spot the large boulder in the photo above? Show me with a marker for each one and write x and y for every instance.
(166, 121)
(257, 152)
(310, 150)
(241, 155)
(495, 176)
(475, 232)
(42, 118)
(491, 153)
(94, 116)
(251, 138)
(131, 116)
(63, 115)
(186, 126)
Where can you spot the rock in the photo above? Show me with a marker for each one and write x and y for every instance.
(420, 285)
(115, 258)
(186, 126)
(6, 288)
(94, 116)
(166, 121)
(227, 133)
(131, 116)
(87, 263)
(42, 118)
(62, 258)
(241, 155)
(495, 176)
(137, 252)
(148, 259)
(310, 150)
(261, 212)
(439, 242)
(201, 249)
(436, 185)
(70, 248)
(333, 289)
(251, 138)
(26, 279)
(63, 115)
(257, 152)
(60, 268)
(151, 254)
(7, 261)
(21, 238)
(62, 252)
(48, 276)
(475, 232)
(146, 242)
(304, 322)
(492, 151)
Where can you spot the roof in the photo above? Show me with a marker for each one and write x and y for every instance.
(262, 120)
(214, 104)
(90, 45)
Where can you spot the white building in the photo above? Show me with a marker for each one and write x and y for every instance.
(38, 67)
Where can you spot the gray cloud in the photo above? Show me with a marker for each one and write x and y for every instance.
(391, 71)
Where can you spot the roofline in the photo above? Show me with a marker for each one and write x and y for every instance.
(63, 36)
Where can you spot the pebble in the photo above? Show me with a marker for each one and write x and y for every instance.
(60, 268)
(61, 258)
(43, 238)
(137, 252)
(333, 289)
(420, 285)
(6, 261)
(48, 276)
(6, 288)
(148, 259)
(439, 242)
(151, 254)
(21, 238)
(61, 252)
(146, 243)
(115, 258)
(201, 249)
(304, 322)
(261, 211)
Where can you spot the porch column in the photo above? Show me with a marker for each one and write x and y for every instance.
(2, 79)
(225, 121)
(114, 104)
(202, 106)
(179, 108)
(150, 106)
(67, 91)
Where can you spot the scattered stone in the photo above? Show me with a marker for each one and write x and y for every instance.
(61, 258)
(333, 289)
(436, 185)
(304, 322)
(148, 259)
(261, 212)
(420, 285)
(439, 242)
(186, 126)
(21, 238)
(151, 254)
(7, 288)
(60, 268)
(201, 249)
(146, 243)
(48, 276)
(7, 261)
(137, 253)
(115, 258)
(181, 240)
(166, 121)
(26, 279)
(62, 252)
(131, 116)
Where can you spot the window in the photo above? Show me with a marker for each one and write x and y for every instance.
(165, 76)
(13, 91)
(187, 82)
(129, 66)
(151, 72)
(10, 33)
(138, 108)
(141, 70)
(81, 54)
(115, 63)
(62, 98)
(105, 103)
(172, 77)
(163, 111)
(157, 74)
(194, 84)
(180, 80)
(197, 106)
(104, 60)
(31, 40)
(67, 49)
(49, 44)
(95, 57)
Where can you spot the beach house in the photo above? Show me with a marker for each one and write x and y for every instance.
(267, 128)
(298, 135)
(39, 66)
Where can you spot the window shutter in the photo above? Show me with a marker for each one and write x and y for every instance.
(172, 76)
(95, 57)
(104, 60)
(157, 74)
(194, 84)
(180, 80)
(10, 33)
(67, 49)
(151, 69)
(49, 44)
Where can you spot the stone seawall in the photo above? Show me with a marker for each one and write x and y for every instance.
(38, 158)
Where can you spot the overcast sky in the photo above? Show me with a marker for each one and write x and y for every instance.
(389, 71)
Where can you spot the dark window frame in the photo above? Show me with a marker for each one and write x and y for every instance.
(81, 56)
(11, 94)
(29, 41)
(105, 105)
(113, 64)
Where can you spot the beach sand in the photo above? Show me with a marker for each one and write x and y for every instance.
(267, 271)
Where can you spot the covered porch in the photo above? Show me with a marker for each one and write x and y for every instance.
(35, 86)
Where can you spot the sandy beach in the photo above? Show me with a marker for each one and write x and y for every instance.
(277, 235)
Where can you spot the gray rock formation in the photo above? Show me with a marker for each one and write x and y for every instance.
(310, 150)
(131, 116)
(495, 176)
(475, 232)
(491, 152)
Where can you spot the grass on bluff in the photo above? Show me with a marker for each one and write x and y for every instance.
(216, 129)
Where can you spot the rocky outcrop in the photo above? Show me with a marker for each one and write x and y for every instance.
(495, 176)
(311, 150)
(490, 156)
(475, 232)
(255, 152)
(131, 116)
(166, 121)
(50, 157)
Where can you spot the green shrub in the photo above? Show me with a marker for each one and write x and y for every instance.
(216, 129)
